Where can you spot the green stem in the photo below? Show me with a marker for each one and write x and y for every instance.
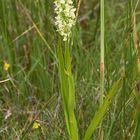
(102, 53)
(101, 62)
(67, 89)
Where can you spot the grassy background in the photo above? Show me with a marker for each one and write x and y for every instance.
(27, 33)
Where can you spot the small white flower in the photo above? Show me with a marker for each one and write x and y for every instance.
(65, 17)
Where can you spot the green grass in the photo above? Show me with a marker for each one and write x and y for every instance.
(32, 89)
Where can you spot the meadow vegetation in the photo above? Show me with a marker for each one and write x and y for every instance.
(86, 88)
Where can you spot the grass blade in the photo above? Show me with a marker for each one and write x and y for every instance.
(102, 110)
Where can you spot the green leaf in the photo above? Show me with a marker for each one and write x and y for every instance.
(63, 84)
(102, 110)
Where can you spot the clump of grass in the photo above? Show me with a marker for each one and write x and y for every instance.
(42, 64)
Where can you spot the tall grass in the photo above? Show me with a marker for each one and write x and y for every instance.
(63, 86)
(102, 65)
(102, 52)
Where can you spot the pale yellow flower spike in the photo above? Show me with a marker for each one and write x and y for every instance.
(65, 17)
(6, 66)
(36, 125)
